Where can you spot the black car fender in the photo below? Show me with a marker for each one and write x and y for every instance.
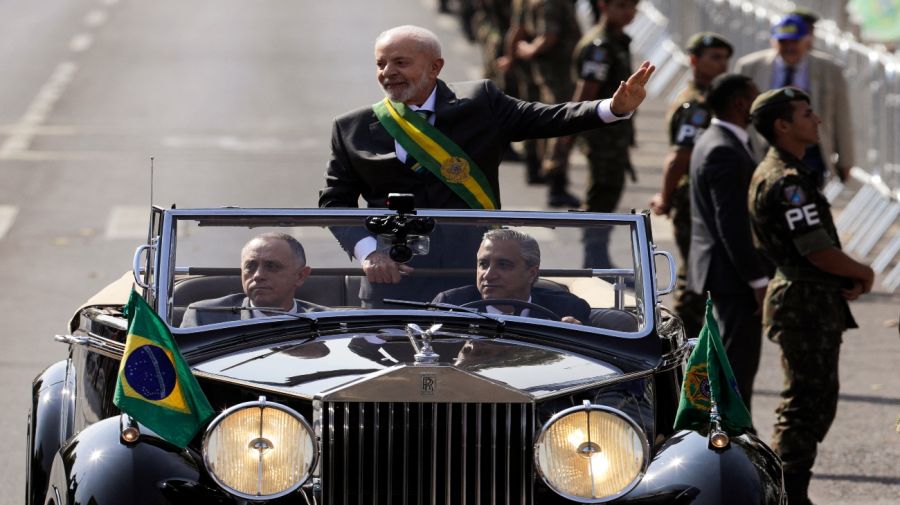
(686, 471)
(97, 466)
(49, 424)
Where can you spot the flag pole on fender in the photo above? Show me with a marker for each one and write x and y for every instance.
(709, 395)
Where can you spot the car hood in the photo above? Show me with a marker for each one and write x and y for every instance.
(381, 367)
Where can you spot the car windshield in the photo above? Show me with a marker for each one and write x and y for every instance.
(231, 267)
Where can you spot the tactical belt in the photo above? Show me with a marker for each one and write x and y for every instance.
(809, 274)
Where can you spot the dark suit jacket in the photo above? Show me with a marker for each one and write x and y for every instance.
(722, 257)
(475, 115)
(194, 315)
(562, 303)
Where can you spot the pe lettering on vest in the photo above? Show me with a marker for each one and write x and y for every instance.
(807, 214)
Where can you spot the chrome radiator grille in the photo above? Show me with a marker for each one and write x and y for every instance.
(427, 453)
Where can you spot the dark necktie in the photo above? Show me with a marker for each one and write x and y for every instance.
(789, 72)
(410, 161)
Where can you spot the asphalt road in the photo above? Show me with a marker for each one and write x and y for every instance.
(233, 99)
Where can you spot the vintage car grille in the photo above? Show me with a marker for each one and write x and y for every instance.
(427, 453)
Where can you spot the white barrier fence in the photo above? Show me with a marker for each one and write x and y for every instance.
(873, 79)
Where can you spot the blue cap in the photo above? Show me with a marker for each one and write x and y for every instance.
(791, 27)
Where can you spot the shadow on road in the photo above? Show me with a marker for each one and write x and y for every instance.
(878, 400)
(857, 478)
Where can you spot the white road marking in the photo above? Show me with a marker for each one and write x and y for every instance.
(7, 216)
(23, 132)
(523, 207)
(36, 114)
(238, 144)
(448, 23)
(130, 222)
(43, 130)
(81, 42)
(95, 18)
(542, 235)
(63, 156)
(127, 222)
(311, 234)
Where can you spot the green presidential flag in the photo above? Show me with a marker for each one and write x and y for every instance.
(709, 379)
(155, 385)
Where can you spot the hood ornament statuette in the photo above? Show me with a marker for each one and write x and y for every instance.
(425, 354)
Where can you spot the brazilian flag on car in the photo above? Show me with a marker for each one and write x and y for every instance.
(709, 380)
(155, 385)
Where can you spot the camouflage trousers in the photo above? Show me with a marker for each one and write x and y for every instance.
(555, 89)
(809, 399)
(690, 306)
(607, 182)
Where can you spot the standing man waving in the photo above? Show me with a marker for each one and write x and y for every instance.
(450, 158)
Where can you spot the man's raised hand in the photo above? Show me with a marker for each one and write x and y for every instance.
(632, 92)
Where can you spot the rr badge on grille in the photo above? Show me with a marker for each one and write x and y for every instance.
(429, 384)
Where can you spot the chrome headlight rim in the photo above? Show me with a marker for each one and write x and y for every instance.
(588, 407)
(261, 403)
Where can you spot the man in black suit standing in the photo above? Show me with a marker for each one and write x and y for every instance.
(508, 265)
(722, 258)
(440, 142)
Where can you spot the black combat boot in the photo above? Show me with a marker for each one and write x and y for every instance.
(558, 194)
(796, 484)
(596, 247)
(533, 173)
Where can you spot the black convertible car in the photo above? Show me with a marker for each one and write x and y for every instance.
(392, 399)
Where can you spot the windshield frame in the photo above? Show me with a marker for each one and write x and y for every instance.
(642, 250)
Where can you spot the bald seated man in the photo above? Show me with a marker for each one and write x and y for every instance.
(273, 266)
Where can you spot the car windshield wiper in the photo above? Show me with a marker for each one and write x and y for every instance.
(447, 306)
(274, 311)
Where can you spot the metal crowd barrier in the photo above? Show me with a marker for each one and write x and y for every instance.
(873, 82)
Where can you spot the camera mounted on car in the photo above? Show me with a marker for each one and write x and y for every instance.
(404, 235)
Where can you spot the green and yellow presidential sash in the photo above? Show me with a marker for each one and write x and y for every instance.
(436, 152)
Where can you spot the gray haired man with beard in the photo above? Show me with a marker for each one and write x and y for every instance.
(440, 142)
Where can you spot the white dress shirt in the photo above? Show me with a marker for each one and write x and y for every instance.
(259, 313)
(738, 132)
(490, 309)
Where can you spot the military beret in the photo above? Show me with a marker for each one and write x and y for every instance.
(791, 27)
(703, 40)
(776, 96)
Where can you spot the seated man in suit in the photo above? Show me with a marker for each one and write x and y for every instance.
(508, 265)
(273, 266)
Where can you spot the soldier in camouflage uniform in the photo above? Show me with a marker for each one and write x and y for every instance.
(491, 22)
(519, 81)
(603, 60)
(687, 118)
(551, 32)
(805, 309)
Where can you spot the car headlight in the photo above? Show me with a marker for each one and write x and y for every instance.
(591, 453)
(259, 450)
